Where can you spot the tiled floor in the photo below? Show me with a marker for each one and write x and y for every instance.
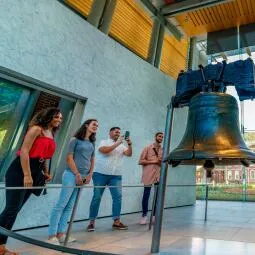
(230, 229)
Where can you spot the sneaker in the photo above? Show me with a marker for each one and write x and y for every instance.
(119, 226)
(53, 240)
(62, 238)
(143, 220)
(91, 227)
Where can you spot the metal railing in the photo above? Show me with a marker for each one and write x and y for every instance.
(64, 248)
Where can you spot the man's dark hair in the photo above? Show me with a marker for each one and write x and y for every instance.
(158, 133)
(113, 128)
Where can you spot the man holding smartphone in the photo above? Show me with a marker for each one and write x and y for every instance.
(108, 172)
(150, 160)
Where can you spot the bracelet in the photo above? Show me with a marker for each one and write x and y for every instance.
(76, 173)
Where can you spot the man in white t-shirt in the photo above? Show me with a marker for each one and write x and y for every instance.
(108, 172)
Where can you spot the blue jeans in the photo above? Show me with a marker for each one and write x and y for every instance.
(62, 210)
(116, 193)
(146, 196)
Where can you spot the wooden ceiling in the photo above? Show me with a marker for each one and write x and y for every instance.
(218, 17)
(132, 27)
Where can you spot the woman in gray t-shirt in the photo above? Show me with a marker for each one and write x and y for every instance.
(80, 166)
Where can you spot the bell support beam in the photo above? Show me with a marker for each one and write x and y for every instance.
(162, 182)
(187, 6)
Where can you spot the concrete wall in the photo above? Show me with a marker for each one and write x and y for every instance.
(47, 41)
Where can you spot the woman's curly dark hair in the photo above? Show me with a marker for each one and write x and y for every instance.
(44, 117)
(81, 132)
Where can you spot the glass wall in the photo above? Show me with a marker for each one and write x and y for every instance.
(13, 106)
(18, 104)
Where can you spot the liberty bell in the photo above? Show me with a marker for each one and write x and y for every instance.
(212, 135)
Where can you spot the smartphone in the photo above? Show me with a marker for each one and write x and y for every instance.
(127, 134)
(84, 180)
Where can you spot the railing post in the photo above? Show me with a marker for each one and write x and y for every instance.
(72, 216)
(206, 201)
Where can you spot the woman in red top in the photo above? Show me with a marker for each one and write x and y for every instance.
(27, 168)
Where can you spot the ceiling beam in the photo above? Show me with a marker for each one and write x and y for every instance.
(190, 5)
(156, 13)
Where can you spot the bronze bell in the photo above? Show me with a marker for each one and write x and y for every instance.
(212, 135)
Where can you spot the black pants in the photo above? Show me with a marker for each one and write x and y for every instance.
(15, 199)
(145, 201)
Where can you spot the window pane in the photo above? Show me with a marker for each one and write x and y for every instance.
(13, 102)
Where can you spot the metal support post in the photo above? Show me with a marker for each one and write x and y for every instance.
(101, 14)
(159, 46)
(244, 186)
(206, 201)
(72, 216)
(162, 183)
(153, 42)
(106, 20)
(96, 12)
(156, 43)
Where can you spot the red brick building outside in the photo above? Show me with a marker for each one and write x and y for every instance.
(228, 174)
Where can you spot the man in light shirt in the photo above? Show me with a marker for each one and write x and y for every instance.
(108, 172)
(150, 160)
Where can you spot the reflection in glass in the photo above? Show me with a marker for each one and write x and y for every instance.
(13, 102)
